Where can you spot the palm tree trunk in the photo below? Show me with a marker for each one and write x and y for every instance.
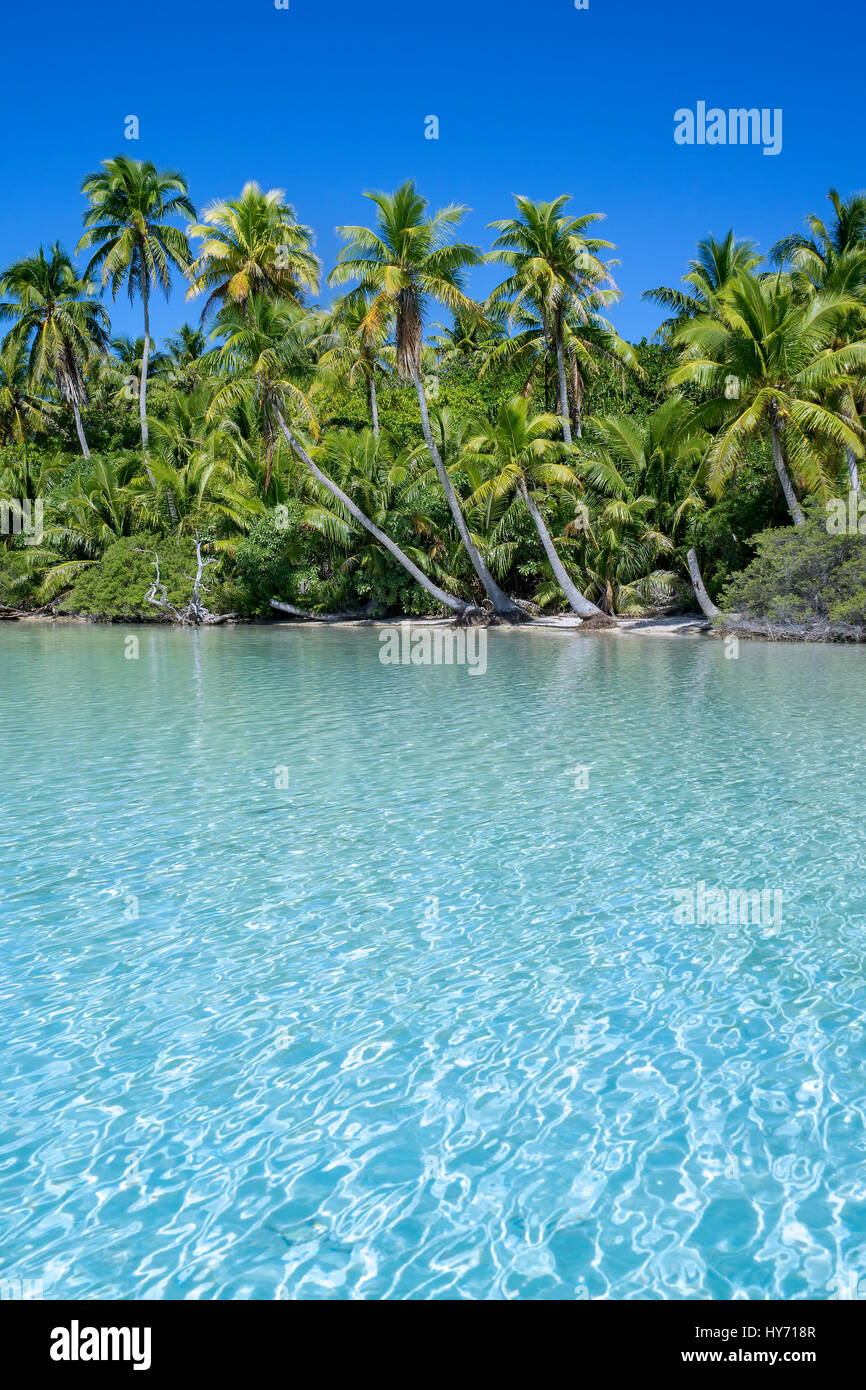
(374, 404)
(142, 398)
(577, 395)
(79, 428)
(527, 385)
(848, 411)
(784, 478)
(706, 603)
(563, 387)
(502, 604)
(853, 470)
(456, 605)
(145, 358)
(578, 604)
(142, 392)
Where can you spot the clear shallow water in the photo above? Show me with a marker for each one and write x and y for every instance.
(424, 1023)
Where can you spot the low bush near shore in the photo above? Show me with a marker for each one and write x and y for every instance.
(115, 586)
(804, 579)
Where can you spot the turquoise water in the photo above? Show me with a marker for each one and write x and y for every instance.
(426, 1021)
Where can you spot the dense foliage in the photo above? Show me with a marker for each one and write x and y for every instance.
(368, 456)
(807, 577)
(116, 585)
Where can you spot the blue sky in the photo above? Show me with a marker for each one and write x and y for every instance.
(329, 98)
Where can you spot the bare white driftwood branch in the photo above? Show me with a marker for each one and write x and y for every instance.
(195, 614)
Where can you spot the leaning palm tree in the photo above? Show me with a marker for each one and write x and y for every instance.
(763, 357)
(716, 263)
(252, 245)
(57, 318)
(523, 457)
(556, 268)
(267, 363)
(409, 259)
(130, 201)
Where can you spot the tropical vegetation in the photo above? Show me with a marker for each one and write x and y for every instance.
(368, 437)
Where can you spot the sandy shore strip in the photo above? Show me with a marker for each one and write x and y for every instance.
(681, 625)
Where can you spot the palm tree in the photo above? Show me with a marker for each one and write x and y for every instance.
(816, 255)
(252, 245)
(763, 356)
(85, 510)
(382, 487)
(523, 457)
(407, 260)
(355, 335)
(184, 429)
(265, 356)
(716, 263)
(620, 545)
(470, 337)
(130, 201)
(663, 455)
(420, 490)
(121, 367)
(556, 268)
(20, 408)
(245, 448)
(833, 260)
(207, 493)
(25, 480)
(62, 325)
(96, 506)
(180, 363)
(632, 467)
(588, 340)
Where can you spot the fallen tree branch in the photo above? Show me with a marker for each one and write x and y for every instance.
(341, 617)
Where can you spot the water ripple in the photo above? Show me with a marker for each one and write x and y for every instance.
(424, 1023)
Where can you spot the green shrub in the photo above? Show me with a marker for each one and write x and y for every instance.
(281, 558)
(115, 586)
(18, 578)
(803, 575)
(293, 562)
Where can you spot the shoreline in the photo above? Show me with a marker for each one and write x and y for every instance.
(685, 625)
(679, 625)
